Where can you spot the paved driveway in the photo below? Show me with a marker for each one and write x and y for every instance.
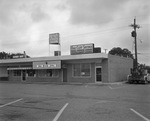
(51, 102)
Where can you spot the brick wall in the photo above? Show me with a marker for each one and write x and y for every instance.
(119, 68)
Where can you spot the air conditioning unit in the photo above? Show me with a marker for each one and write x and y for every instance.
(97, 50)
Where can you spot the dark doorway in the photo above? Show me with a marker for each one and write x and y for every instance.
(65, 75)
(98, 74)
(23, 75)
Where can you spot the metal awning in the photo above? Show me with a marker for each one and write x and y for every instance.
(19, 68)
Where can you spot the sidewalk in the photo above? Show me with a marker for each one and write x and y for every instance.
(63, 83)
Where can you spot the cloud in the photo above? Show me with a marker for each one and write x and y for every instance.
(25, 25)
(62, 5)
(5, 10)
(95, 12)
(35, 10)
(37, 14)
(99, 12)
(106, 14)
(17, 18)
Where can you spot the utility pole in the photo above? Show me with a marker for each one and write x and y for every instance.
(134, 34)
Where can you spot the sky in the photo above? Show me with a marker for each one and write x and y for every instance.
(25, 25)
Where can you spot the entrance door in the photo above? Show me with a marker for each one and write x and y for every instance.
(23, 75)
(65, 75)
(98, 74)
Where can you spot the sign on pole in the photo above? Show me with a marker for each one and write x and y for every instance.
(82, 49)
(54, 38)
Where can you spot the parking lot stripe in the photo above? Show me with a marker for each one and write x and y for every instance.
(60, 112)
(146, 119)
(11, 102)
(110, 87)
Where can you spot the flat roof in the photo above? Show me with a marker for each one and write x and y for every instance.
(63, 57)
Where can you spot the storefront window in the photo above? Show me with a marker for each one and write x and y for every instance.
(42, 73)
(31, 72)
(55, 73)
(81, 70)
(76, 69)
(85, 69)
(17, 72)
(48, 73)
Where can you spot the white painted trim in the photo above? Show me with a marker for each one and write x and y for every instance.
(52, 58)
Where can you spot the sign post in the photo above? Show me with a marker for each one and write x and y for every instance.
(54, 39)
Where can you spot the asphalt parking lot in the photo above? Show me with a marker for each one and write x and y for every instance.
(83, 102)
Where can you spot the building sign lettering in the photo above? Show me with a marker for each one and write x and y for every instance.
(54, 38)
(81, 49)
(47, 65)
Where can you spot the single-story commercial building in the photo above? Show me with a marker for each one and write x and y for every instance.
(80, 68)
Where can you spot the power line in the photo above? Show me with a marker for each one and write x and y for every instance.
(144, 54)
(99, 31)
(110, 30)
(115, 20)
(115, 29)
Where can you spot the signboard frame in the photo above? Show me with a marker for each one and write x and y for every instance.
(54, 38)
(47, 65)
(82, 49)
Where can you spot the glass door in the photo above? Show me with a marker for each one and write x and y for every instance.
(98, 74)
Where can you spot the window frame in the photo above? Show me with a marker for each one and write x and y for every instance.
(17, 73)
(33, 72)
(80, 76)
(45, 73)
(73, 72)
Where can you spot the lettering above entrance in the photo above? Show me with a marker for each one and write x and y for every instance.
(47, 65)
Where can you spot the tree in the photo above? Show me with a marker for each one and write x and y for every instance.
(4, 55)
(121, 52)
(127, 53)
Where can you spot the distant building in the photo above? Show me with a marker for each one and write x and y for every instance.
(75, 68)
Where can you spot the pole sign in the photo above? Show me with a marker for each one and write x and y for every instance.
(54, 38)
(81, 49)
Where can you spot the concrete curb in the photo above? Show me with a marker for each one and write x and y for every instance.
(63, 83)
